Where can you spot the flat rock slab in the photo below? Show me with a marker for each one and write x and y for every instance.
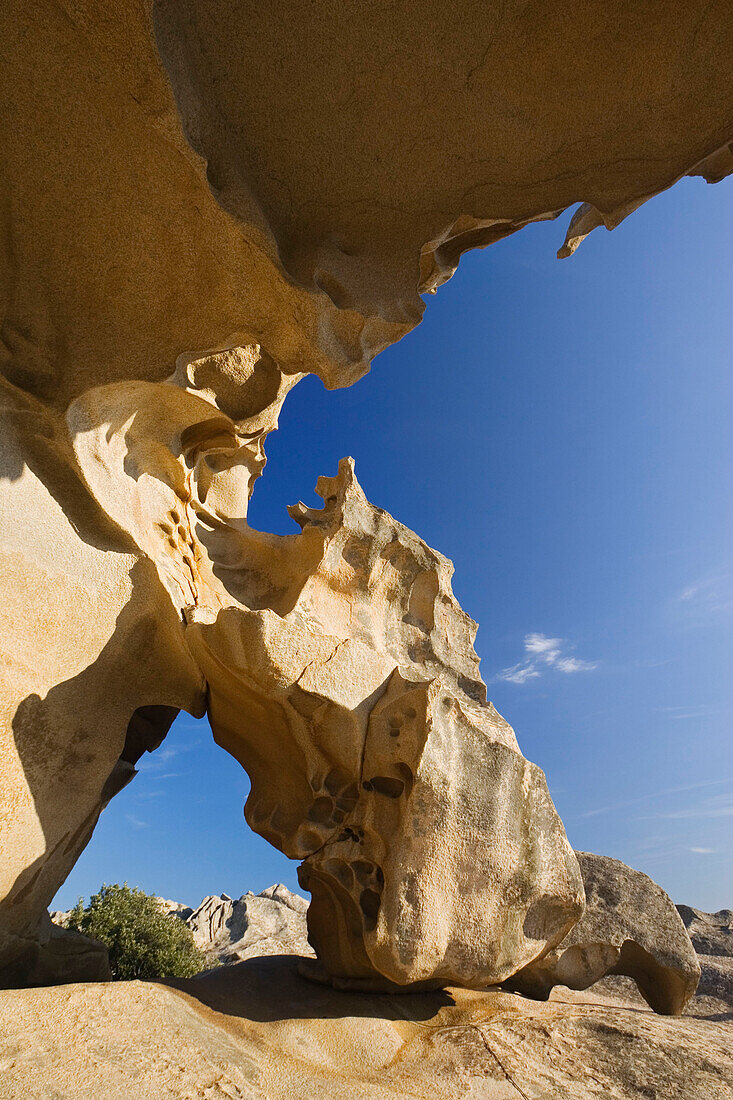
(258, 1031)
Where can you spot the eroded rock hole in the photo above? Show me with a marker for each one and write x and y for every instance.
(386, 785)
(369, 903)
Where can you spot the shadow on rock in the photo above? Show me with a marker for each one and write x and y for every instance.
(271, 988)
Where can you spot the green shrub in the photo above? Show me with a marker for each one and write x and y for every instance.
(143, 941)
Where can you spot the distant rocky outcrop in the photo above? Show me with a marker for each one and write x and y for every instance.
(712, 938)
(177, 908)
(711, 933)
(230, 930)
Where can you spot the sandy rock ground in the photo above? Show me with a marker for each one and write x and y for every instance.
(259, 1031)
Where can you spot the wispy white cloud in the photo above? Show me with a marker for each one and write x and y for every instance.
(543, 653)
(693, 591)
(719, 805)
(673, 853)
(704, 595)
(136, 822)
(696, 711)
(159, 758)
(650, 796)
(519, 674)
(649, 850)
(542, 646)
(573, 664)
(656, 849)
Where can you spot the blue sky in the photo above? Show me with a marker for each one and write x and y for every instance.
(562, 431)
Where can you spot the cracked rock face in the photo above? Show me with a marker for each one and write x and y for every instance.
(431, 846)
(231, 930)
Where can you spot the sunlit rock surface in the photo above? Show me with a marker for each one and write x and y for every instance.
(431, 846)
(259, 1031)
(274, 923)
(630, 927)
(230, 930)
(200, 202)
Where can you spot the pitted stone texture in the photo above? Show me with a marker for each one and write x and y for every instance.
(716, 979)
(200, 202)
(340, 671)
(432, 848)
(170, 466)
(451, 868)
(630, 926)
(301, 175)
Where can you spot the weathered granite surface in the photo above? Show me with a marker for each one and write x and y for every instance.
(711, 933)
(712, 937)
(430, 846)
(231, 930)
(259, 1031)
(275, 924)
(200, 202)
(630, 927)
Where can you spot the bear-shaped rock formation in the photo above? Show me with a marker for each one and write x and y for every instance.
(200, 202)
